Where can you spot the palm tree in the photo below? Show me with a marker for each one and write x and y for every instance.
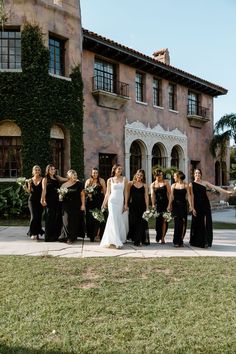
(228, 121)
(219, 142)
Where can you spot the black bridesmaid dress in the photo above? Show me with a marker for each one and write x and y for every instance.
(201, 234)
(161, 207)
(93, 226)
(138, 227)
(52, 211)
(36, 210)
(179, 212)
(72, 215)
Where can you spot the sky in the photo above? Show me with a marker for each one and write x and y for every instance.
(200, 36)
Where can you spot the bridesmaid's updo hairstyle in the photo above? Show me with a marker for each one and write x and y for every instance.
(157, 173)
(72, 174)
(114, 168)
(181, 175)
(143, 173)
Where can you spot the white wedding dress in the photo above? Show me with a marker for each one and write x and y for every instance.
(116, 227)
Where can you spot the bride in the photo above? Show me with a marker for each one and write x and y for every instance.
(117, 199)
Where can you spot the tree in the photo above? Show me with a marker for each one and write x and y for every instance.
(225, 129)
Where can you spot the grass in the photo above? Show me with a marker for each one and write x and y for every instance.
(117, 305)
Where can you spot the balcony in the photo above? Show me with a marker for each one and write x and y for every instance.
(110, 93)
(197, 115)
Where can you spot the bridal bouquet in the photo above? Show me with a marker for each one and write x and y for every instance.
(98, 214)
(167, 216)
(150, 213)
(62, 191)
(90, 190)
(22, 181)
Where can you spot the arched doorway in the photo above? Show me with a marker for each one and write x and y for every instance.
(57, 144)
(10, 150)
(135, 158)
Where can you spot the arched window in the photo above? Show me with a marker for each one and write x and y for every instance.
(175, 157)
(57, 144)
(135, 158)
(157, 158)
(217, 173)
(10, 150)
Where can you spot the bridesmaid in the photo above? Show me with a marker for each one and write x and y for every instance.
(94, 228)
(117, 199)
(179, 207)
(34, 188)
(50, 200)
(73, 207)
(201, 234)
(138, 203)
(160, 193)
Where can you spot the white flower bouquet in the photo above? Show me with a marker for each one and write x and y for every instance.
(22, 181)
(90, 190)
(98, 214)
(150, 213)
(167, 216)
(62, 191)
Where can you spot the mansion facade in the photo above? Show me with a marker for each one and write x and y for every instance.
(139, 110)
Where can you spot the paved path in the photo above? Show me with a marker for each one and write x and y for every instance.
(13, 241)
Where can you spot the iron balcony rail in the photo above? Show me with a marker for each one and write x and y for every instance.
(110, 84)
(198, 110)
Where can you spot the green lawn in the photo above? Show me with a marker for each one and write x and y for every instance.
(169, 305)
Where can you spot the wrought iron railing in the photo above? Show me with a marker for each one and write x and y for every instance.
(110, 84)
(194, 109)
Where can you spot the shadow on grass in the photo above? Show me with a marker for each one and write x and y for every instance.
(4, 349)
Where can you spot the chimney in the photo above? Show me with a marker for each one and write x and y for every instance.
(162, 55)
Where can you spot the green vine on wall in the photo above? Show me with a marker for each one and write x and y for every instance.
(35, 101)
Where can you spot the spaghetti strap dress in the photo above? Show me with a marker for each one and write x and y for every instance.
(161, 207)
(179, 212)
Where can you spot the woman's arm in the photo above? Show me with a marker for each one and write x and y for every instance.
(61, 179)
(86, 183)
(108, 192)
(126, 195)
(189, 197)
(153, 196)
(103, 184)
(192, 198)
(217, 188)
(44, 190)
(82, 195)
(146, 195)
(167, 184)
(169, 208)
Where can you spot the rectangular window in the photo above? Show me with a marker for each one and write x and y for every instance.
(57, 56)
(193, 103)
(10, 49)
(104, 76)
(106, 161)
(156, 87)
(10, 156)
(139, 86)
(172, 97)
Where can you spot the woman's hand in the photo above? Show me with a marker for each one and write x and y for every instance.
(125, 208)
(43, 202)
(194, 212)
(82, 207)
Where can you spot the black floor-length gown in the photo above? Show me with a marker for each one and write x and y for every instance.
(138, 227)
(161, 207)
(53, 220)
(72, 215)
(36, 210)
(94, 202)
(179, 212)
(201, 234)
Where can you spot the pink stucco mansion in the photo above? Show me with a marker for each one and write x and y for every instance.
(139, 111)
